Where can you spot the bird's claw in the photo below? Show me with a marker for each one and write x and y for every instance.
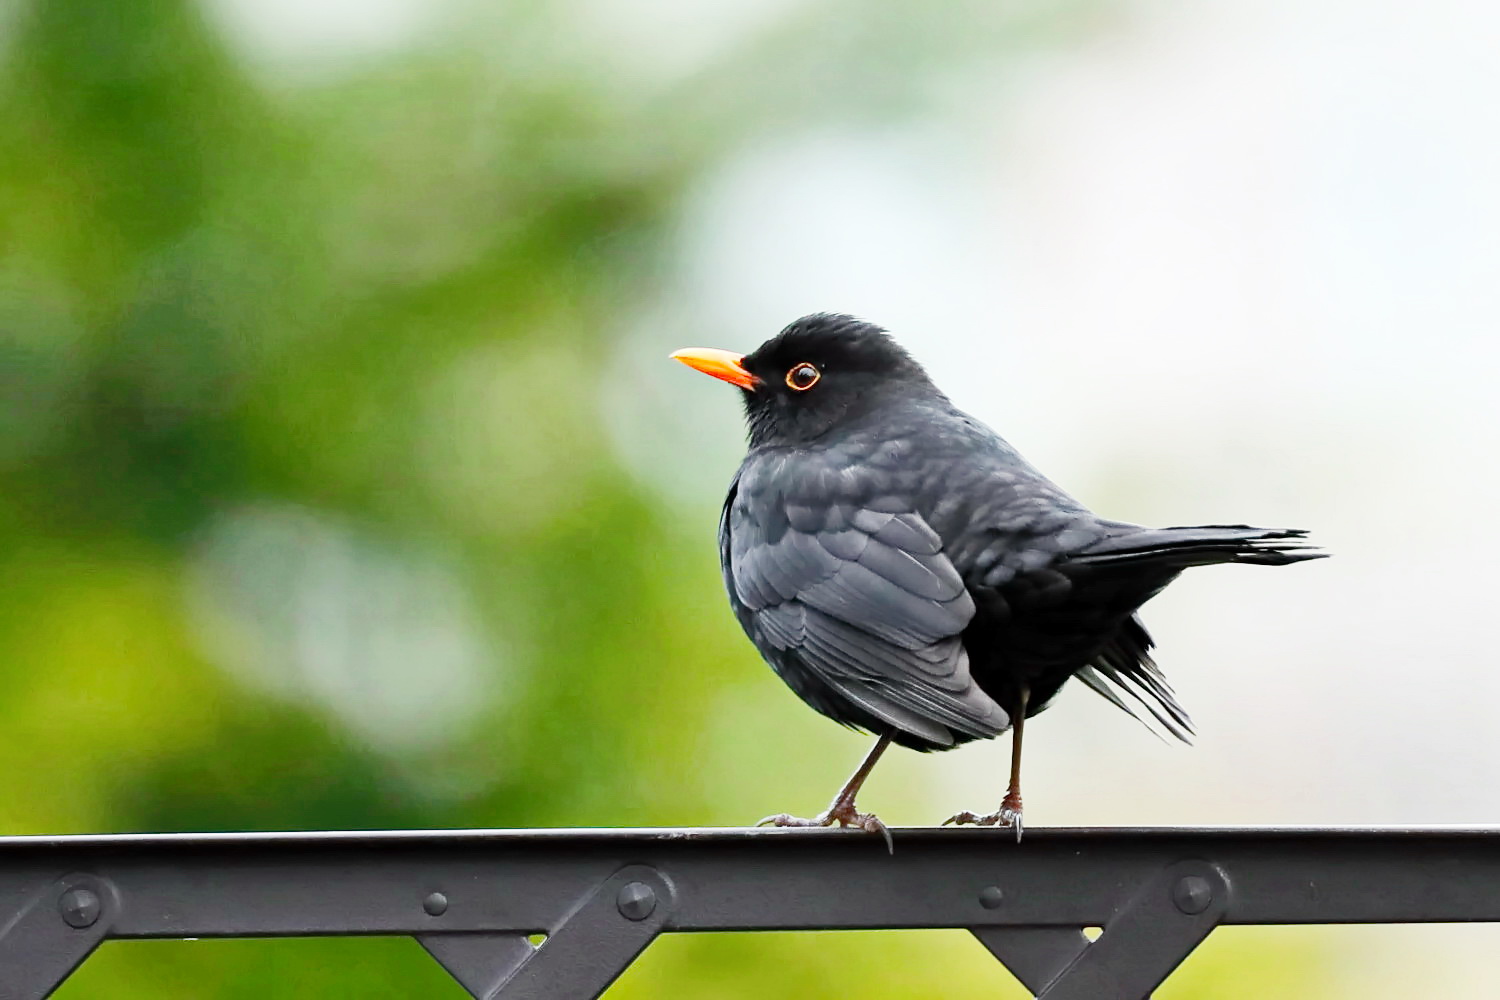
(1006, 816)
(841, 813)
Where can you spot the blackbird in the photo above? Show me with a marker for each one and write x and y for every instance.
(906, 572)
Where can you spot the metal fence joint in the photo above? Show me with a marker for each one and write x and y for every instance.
(53, 931)
(580, 956)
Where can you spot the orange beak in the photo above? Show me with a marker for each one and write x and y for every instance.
(720, 364)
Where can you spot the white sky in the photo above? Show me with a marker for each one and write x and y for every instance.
(1228, 261)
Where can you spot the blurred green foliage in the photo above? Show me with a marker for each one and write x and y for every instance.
(309, 518)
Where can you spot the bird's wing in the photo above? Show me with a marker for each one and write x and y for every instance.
(865, 599)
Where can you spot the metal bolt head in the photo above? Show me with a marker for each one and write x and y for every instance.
(990, 897)
(79, 907)
(636, 900)
(1192, 894)
(436, 904)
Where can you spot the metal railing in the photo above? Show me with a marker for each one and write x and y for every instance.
(473, 898)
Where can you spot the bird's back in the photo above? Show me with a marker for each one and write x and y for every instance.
(1014, 537)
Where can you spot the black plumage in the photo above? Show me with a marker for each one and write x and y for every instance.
(905, 571)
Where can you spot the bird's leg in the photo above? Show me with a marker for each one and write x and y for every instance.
(1010, 806)
(1009, 813)
(841, 810)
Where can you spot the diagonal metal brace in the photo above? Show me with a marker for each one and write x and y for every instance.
(1034, 955)
(480, 961)
(585, 952)
(54, 931)
(1142, 942)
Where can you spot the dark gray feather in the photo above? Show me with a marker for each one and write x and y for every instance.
(863, 599)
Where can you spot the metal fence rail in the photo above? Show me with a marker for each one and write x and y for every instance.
(472, 898)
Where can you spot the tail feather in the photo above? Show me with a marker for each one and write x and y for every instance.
(1202, 545)
(1125, 666)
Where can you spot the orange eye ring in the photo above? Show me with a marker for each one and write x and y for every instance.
(803, 377)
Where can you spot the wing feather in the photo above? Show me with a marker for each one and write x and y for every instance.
(863, 598)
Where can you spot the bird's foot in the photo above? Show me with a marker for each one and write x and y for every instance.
(841, 812)
(1008, 815)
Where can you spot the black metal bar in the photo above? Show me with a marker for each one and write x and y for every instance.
(440, 886)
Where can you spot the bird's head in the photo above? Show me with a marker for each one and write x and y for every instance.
(818, 372)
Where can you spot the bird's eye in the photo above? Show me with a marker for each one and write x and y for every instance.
(803, 377)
